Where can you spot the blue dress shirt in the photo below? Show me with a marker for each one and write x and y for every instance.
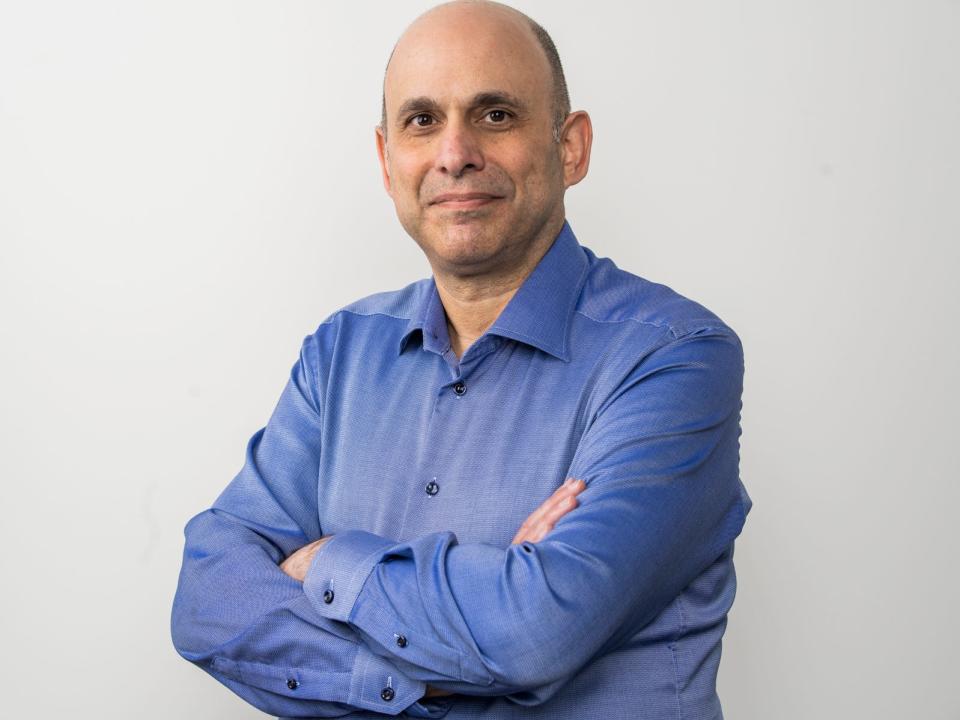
(424, 466)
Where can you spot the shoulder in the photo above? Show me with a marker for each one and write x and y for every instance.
(399, 304)
(374, 317)
(613, 295)
(382, 307)
(662, 336)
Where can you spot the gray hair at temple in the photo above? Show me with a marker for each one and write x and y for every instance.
(561, 96)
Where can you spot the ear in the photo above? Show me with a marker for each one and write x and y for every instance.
(576, 139)
(382, 155)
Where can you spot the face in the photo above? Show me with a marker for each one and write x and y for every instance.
(468, 156)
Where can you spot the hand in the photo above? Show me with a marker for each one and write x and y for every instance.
(297, 564)
(535, 528)
(541, 521)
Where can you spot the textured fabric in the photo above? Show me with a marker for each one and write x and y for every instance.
(423, 467)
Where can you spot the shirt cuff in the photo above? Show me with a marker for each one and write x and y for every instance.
(372, 684)
(377, 685)
(339, 570)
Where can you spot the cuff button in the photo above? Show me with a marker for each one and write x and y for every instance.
(292, 684)
(387, 694)
(328, 596)
(402, 640)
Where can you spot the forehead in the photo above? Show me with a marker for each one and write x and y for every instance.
(451, 59)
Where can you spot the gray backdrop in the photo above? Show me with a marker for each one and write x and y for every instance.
(188, 188)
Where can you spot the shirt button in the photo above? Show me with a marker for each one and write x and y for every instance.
(432, 488)
(459, 388)
(401, 641)
(292, 684)
(387, 694)
(328, 596)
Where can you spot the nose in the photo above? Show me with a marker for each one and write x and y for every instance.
(459, 150)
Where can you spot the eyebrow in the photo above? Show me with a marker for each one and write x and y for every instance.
(489, 97)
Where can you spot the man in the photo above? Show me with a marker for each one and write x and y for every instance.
(508, 491)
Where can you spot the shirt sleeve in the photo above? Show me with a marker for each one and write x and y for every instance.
(663, 501)
(241, 618)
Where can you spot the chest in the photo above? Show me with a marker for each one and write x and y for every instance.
(411, 446)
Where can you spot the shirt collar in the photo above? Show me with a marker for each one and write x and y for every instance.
(539, 312)
(430, 320)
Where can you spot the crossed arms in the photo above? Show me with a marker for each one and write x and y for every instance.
(662, 501)
(537, 525)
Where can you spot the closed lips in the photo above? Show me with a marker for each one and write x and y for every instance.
(462, 197)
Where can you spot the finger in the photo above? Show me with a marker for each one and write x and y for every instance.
(559, 510)
(547, 523)
(542, 520)
(569, 488)
(559, 495)
(534, 518)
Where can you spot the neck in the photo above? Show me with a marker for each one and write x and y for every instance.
(472, 309)
(474, 302)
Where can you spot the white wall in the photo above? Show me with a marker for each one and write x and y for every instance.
(188, 188)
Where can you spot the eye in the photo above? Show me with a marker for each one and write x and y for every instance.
(498, 116)
(421, 120)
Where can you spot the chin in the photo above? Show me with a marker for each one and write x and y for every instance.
(465, 244)
(468, 243)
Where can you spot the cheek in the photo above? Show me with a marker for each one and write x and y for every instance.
(409, 191)
(536, 172)
(406, 172)
(539, 180)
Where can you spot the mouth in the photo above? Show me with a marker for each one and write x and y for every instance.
(464, 201)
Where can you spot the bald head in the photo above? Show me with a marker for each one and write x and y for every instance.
(474, 17)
